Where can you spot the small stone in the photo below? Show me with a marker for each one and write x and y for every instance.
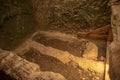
(90, 74)
(97, 78)
(93, 73)
(83, 78)
(91, 51)
(102, 58)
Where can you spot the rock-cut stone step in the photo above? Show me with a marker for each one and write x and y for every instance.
(21, 69)
(67, 42)
(63, 62)
(60, 53)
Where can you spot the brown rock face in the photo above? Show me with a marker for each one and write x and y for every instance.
(115, 46)
(115, 62)
(19, 18)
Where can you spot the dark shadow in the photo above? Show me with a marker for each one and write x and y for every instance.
(4, 76)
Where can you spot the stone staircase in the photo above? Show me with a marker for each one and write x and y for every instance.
(64, 54)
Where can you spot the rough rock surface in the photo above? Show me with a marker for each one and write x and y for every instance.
(114, 47)
(19, 18)
(21, 69)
